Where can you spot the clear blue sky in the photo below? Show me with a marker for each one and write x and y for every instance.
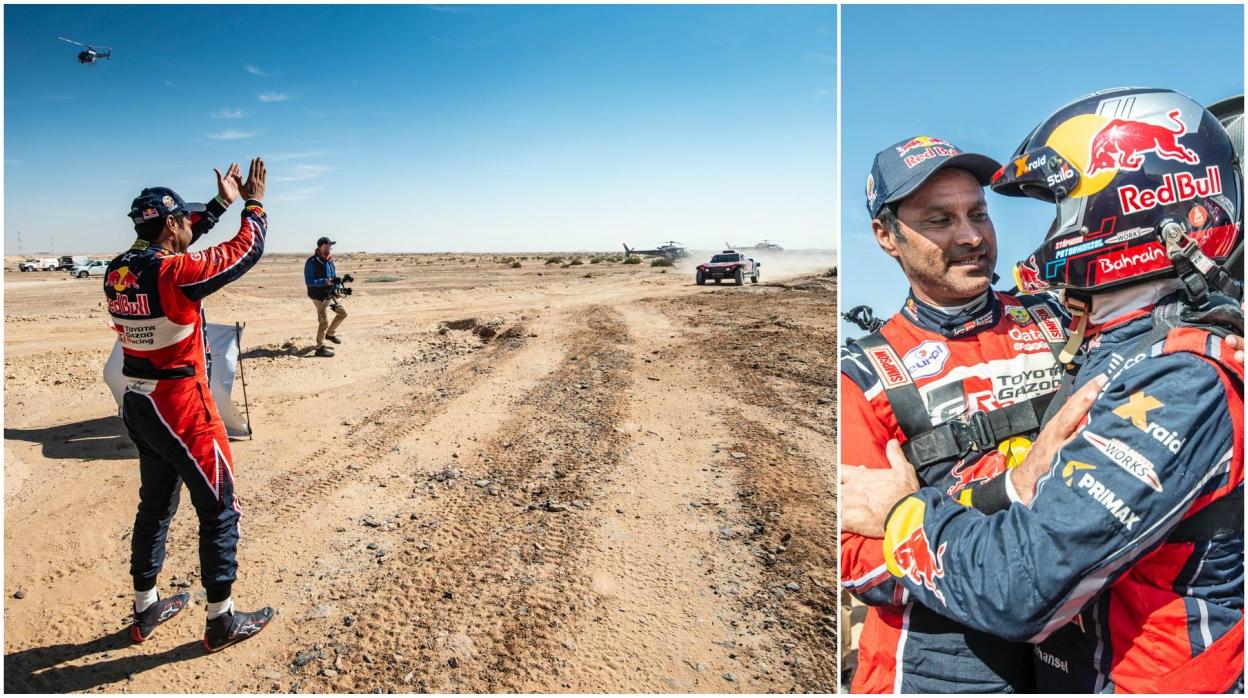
(982, 77)
(426, 128)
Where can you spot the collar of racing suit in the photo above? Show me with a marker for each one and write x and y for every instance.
(977, 315)
(1110, 310)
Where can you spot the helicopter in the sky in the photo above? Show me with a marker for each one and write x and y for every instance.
(91, 54)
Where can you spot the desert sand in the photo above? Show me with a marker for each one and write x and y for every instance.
(591, 478)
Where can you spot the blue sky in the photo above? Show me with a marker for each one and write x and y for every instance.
(428, 128)
(982, 77)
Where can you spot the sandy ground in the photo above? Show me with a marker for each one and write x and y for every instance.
(610, 480)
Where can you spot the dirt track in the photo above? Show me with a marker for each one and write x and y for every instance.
(623, 484)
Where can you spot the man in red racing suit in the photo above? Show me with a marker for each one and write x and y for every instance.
(987, 356)
(155, 294)
(961, 378)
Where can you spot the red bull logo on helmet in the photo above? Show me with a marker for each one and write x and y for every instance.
(1027, 277)
(907, 551)
(1181, 186)
(1122, 144)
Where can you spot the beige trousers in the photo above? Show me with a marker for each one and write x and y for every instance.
(323, 325)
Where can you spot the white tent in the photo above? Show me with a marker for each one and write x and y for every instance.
(223, 343)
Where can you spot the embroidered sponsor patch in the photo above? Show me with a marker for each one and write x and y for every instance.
(888, 367)
(927, 359)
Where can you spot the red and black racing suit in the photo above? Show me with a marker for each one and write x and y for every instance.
(155, 300)
(983, 358)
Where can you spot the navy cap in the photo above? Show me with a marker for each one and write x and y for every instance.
(902, 168)
(325, 241)
(158, 202)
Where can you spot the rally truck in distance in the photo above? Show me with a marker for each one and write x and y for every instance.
(728, 264)
(47, 264)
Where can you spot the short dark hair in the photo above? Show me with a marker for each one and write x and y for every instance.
(888, 218)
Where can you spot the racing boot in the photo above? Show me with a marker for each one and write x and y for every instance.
(233, 627)
(333, 339)
(145, 623)
(324, 351)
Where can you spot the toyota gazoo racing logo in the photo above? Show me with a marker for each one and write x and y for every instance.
(1122, 143)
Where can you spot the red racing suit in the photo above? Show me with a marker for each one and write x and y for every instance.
(155, 299)
(1127, 567)
(965, 366)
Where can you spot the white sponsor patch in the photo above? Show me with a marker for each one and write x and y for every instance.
(927, 359)
(1126, 458)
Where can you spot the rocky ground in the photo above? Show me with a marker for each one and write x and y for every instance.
(551, 478)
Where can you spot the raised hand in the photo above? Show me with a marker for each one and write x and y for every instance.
(1055, 434)
(253, 188)
(227, 185)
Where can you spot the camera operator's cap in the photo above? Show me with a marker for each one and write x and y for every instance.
(325, 241)
(158, 202)
(901, 168)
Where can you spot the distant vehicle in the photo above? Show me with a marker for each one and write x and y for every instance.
(728, 264)
(45, 264)
(96, 267)
(89, 54)
(670, 249)
(68, 262)
(764, 246)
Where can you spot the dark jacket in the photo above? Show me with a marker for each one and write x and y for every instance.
(316, 271)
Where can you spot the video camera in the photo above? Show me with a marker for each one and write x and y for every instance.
(340, 288)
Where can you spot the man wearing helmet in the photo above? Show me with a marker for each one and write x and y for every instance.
(963, 375)
(1124, 562)
(155, 298)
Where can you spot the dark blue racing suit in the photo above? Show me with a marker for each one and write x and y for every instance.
(1115, 569)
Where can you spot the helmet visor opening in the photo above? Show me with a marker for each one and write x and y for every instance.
(1040, 174)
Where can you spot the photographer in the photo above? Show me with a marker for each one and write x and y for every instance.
(326, 291)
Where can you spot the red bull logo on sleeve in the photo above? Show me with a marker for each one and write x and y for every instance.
(907, 551)
(1122, 144)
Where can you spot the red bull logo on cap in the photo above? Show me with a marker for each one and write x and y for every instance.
(920, 142)
(121, 279)
(907, 551)
(1122, 144)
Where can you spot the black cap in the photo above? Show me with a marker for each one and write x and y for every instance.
(903, 167)
(158, 202)
(325, 241)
